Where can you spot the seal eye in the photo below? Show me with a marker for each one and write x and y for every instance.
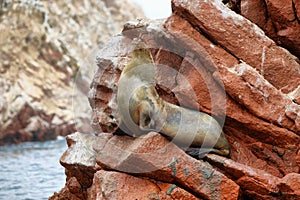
(147, 120)
(145, 116)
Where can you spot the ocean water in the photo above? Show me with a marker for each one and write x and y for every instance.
(31, 170)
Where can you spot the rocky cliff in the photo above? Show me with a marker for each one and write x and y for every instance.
(43, 45)
(210, 56)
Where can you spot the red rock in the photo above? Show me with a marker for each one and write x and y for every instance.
(216, 61)
(160, 160)
(286, 23)
(296, 96)
(198, 82)
(234, 81)
(74, 186)
(290, 186)
(82, 155)
(250, 179)
(255, 11)
(71, 191)
(274, 160)
(171, 191)
(258, 125)
(261, 98)
(281, 10)
(115, 185)
(230, 30)
(297, 8)
(155, 157)
(278, 18)
(256, 183)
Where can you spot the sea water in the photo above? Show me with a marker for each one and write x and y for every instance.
(31, 170)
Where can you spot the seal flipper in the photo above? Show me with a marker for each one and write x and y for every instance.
(199, 153)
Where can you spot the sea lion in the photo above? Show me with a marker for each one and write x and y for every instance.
(142, 110)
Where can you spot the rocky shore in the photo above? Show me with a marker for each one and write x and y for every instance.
(241, 62)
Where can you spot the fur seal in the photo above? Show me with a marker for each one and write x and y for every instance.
(142, 110)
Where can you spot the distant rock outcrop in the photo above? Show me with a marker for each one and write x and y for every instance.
(224, 65)
(43, 43)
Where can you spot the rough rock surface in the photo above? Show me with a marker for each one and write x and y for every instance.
(212, 59)
(167, 171)
(280, 19)
(43, 43)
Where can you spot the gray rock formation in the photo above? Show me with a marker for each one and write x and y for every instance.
(43, 43)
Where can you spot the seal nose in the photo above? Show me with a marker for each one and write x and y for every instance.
(225, 152)
(223, 145)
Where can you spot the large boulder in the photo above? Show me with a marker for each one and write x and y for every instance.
(212, 59)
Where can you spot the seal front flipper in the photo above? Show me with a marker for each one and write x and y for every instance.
(200, 152)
